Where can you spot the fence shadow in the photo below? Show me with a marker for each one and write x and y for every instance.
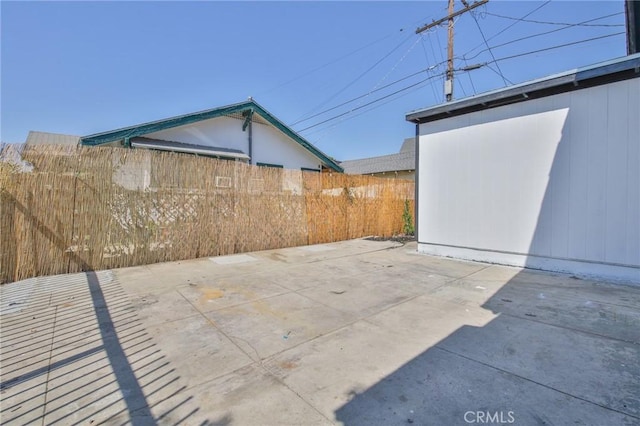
(74, 352)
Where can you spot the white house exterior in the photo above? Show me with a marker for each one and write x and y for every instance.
(544, 175)
(244, 131)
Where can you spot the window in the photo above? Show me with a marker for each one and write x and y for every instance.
(305, 169)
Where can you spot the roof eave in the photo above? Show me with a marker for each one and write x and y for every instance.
(296, 137)
(154, 126)
(575, 80)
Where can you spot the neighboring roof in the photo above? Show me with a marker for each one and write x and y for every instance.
(189, 148)
(249, 108)
(404, 160)
(409, 144)
(44, 138)
(594, 75)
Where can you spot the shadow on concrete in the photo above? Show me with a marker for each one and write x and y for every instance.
(559, 351)
(74, 352)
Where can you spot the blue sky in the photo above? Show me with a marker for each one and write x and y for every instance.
(85, 67)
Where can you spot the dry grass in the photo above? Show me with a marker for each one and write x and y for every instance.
(98, 208)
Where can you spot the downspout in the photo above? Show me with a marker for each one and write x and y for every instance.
(248, 123)
(417, 182)
(250, 136)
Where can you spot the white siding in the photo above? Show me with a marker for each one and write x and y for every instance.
(225, 132)
(551, 183)
(269, 144)
(272, 146)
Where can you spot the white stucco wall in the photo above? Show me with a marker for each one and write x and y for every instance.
(272, 146)
(269, 144)
(551, 183)
(223, 132)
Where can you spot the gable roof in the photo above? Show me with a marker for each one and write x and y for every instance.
(619, 69)
(45, 138)
(402, 161)
(248, 107)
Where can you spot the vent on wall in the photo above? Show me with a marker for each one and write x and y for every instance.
(223, 182)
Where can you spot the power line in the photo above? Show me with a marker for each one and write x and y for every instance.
(426, 57)
(358, 77)
(470, 79)
(556, 47)
(533, 36)
(331, 62)
(499, 73)
(367, 104)
(375, 88)
(461, 69)
(560, 23)
(361, 96)
(342, 120)
(509, 26)
(487, 44)
(449, 18)
(395, 65)
(343, 57)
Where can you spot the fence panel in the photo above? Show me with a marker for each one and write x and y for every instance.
(77, 209)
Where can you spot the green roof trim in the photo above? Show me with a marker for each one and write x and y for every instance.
(182, 120)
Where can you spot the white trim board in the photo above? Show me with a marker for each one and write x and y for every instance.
(600, 271)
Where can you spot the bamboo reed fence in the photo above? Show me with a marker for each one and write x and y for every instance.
(78, 209)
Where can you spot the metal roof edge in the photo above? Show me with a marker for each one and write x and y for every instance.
(296, 137)
(157, 125)
(546, 86)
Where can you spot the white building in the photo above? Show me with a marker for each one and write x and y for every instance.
(244, 131)
(544, 174)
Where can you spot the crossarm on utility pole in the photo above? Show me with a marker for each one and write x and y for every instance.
(448, 84)
(452, 15)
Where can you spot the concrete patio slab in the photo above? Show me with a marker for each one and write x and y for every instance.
(212, 294)
(441, 388)
(277, 323)
(203, 352)
(253, 396)
(372, 298)
(233, 259)
(357, 333)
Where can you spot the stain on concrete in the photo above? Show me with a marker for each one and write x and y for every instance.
(209, 294)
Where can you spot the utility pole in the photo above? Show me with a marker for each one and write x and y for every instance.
(632, 12)
(448, 84)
